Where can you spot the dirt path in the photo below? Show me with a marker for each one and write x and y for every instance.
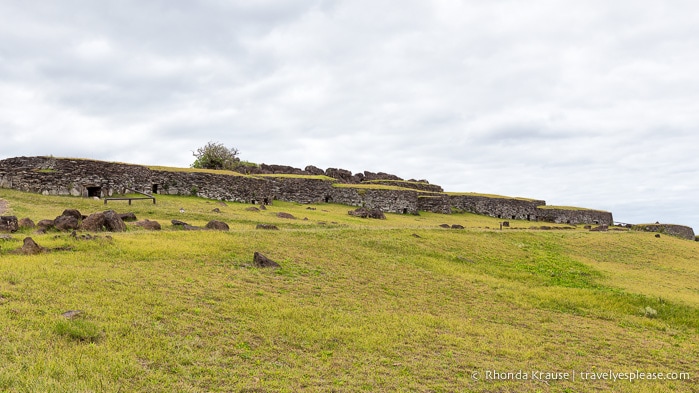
(3, 205)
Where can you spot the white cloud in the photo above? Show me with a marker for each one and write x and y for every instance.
(589, 103)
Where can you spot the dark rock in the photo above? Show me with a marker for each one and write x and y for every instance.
(343, 175)
(310, 208)
(262, 207)
(314, 170)
(588, 227)
(252, 209)
(363, 212)
(128, 217)
(286, 215)
(183, 225)
(267, 226)
(506, 224)
(657, 235)
(72, 213)
(260, 260)
(368, 176)
(217, 225)
(445, 226)
(9, 224)
(103, 221)
(27, 223)
(30, 247)
(216, 210)
(45, 224)
(113, 223)
(457, 226)
(149, 225)
(416, 236)
(66, 223)
(601, 228)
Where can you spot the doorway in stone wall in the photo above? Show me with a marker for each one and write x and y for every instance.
(94, 192)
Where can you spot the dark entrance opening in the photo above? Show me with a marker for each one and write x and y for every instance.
(405, 210)
(328, 199)
(155, 189)
(514, 217)
(529, 217)
(94, 192)
(265, 201)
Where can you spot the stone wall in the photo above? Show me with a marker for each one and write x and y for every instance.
(211, 185)
(393, 201)
(500, 207)
(51, 176)
(574, 216)
(682, 231)
(435, 203)
(78, 177)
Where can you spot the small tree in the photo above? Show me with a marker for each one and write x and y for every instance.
(216, 156)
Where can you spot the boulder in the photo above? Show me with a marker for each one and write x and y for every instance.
(260, 260)
(183, 225)
(179, 223)
(363, 212)
(9, 224)
(66, 223)
(103, 221)
(252, 209)
(314, 170)
(128, 217)
(72, 213)
(149, 225)
(267, 226)
(445, 226)
(217, 225)
(457, 226)
(30, 247)
(27, 223)
(285, 215)
(45, 225)
(343, 175)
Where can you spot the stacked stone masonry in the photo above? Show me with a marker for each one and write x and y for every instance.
(91, 178)
(682, 231)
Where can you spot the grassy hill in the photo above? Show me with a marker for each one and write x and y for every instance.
(358, 305)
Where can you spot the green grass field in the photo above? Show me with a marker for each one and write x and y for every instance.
(395, 305)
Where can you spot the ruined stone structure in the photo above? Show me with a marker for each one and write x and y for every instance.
(669, 229)
(498, 206)
(574, 216)
(266, 183)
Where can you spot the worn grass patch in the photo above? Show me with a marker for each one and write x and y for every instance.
(358, 305)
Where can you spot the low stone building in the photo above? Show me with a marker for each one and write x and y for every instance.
(266, 183)
(682, 231)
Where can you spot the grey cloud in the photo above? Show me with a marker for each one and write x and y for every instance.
(585, 103)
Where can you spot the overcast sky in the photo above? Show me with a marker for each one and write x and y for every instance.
(587, 103)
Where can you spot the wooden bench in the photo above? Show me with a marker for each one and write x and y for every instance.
(146, 196)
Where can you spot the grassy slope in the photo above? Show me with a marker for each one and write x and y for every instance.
(359, 305)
